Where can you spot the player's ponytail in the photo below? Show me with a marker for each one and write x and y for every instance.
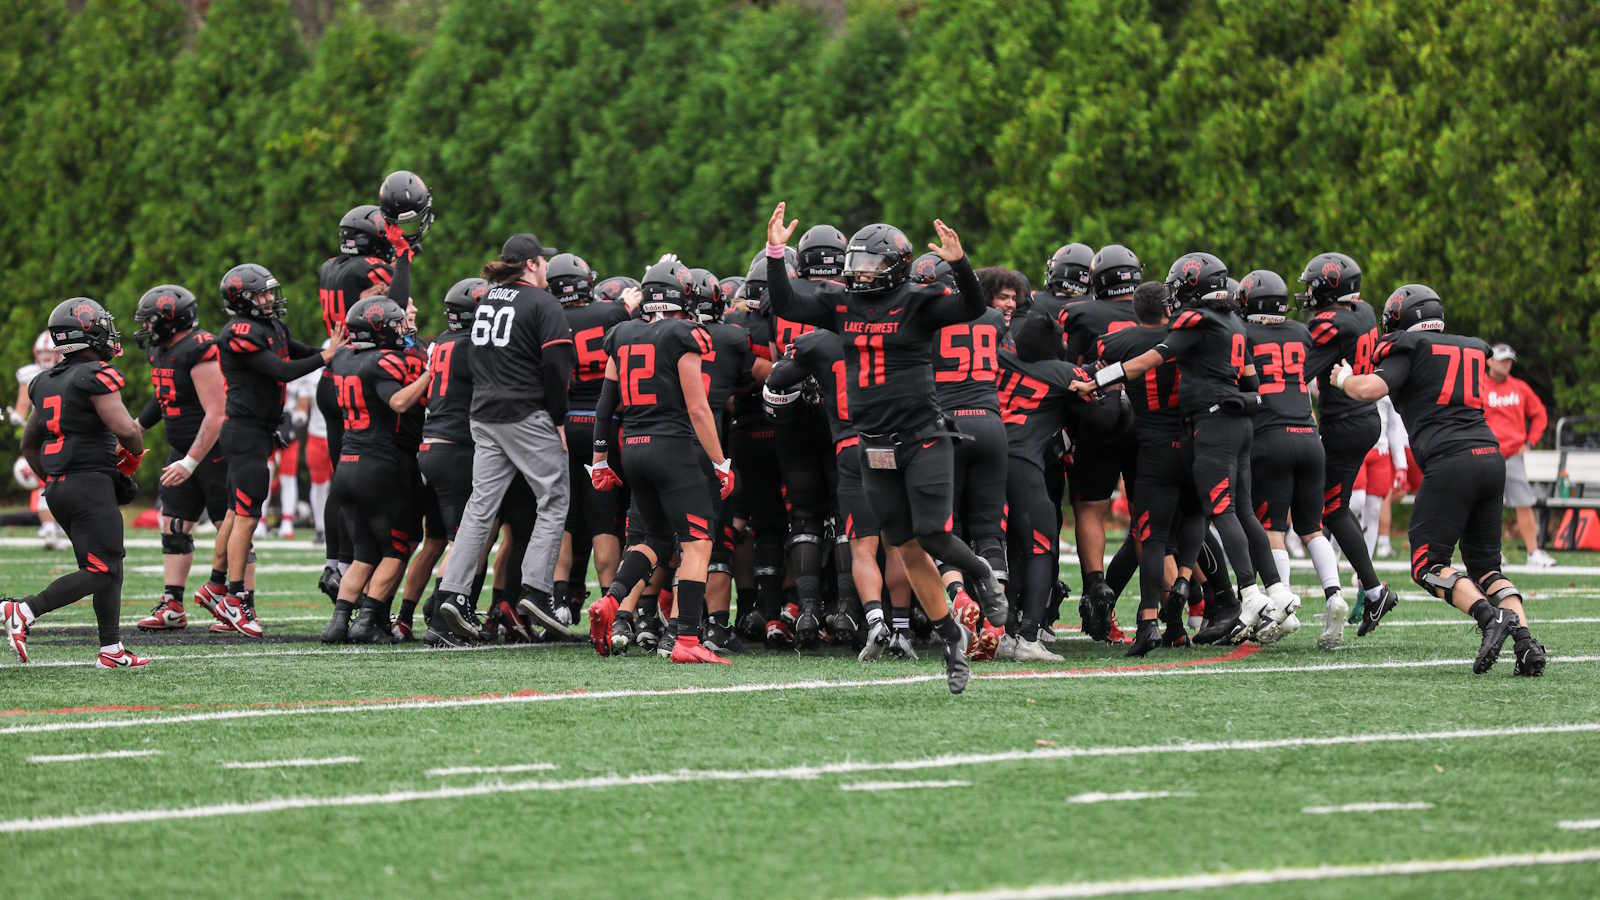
(502, 271)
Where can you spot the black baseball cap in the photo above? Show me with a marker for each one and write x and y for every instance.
(523, 247)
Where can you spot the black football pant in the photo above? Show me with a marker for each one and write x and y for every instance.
(805, 457)
(85, 505)
(914, 500)
(338, 545)
(980, 484)
(1345, 443)
(1031, 533)
(1222, 481)
(759, 498)
(375, 504)
(447, 474)
(1166, 513)
(248, 447)
(1460, 501)
(1286, 474)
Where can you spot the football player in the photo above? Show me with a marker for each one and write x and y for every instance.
(45, 356)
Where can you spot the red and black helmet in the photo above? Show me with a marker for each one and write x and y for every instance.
(877, 259)
(570, 279)
(1115, 271)
(163, 311)
(1329, 277)
(821, 253)
(376, 321)
(1413, 307)
(461, 302)
(1264, 293)
(250, 290)
(611, 289)
(666, 287)
(1199, 279)
(81, 323)
(1067, 272)
(405, 201)
(361, 233)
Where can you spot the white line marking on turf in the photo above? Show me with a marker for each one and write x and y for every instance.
(338, 651)
(273, 620)
(261, 569)
(1364, 808)
(1208, 880)
(791, 773)
(82, 757)
(873, 786)
(293, 763)
(1578, 824)
(1395, 565)
(491, 770)
(1119, 796)
(629, 693)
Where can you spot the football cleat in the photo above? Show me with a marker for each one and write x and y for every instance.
(1173, 634)
(168, 615)
(752, 626)
(602, 616)
(842, 629)
(16, 627)
(807, 625)
(121, 659)
(1114, 632)
(1146, 638)
(621, 637)
(1373, 613)
(1006, 647)
(669, 640)
(535, 607)
(647, 633)
(209, 596)
(459, 616)
(370, 625)
(1530, 656)
(238, 616)
(517, 630)
(878, 637)
(1358, 608)
(956, 670)
(443, 640)
(1333, 622)
(328, 583)
(720, 638)
(338, 628)
(1219, 630)
(1253, 604)
(1095, 608)
(966, 611)
(1282, 603)
(991, 595)
(985, 645)
(779, 635)
(688, 649)
(1495, 632)
(1024, 650)
(400, 632)
(900, 645)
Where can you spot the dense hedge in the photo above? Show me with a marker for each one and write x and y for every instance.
(1456, 143)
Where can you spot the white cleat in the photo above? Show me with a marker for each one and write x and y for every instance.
(1541, 560)
(1033, 651)
(1333, 620)
(1253, 605)
(1006, 647)
(1282, 603)
(877, 642)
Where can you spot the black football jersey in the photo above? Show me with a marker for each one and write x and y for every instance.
(252, 397)
(76, 440)
(1280, 352)
(1156, 394)
(1036, 403)
(726, 367)
(965, 366)
(1047, 304)
(511, 327)
(784, 332)
(746, 410)
(1210, 349)
(821, 354)
(647, 353)
(1339, 333)
(759, 326)
(450, 392)
(365, 381)
(590, 324)
(171, 377)
(1436, 382)
(1084, 323)
(342, 280)
(413, 421)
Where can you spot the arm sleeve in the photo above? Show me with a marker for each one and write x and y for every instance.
(967, 303)
(1178, 343)
(605, 416)
(1538, 417)
(150, 414)
(400, 283)
(555, 368)
(298, 350)
(1399, 440)
(797, 303)
(283, 370)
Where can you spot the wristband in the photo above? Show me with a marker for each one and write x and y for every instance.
(775, 251)
(189, 464)
(1339, 375)
(1110, 375)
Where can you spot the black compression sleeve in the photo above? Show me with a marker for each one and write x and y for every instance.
(150, 415)
(605, 423)
(554, 369)
(400, 283)
(264, 363)
(1249, 383)
(971, 292)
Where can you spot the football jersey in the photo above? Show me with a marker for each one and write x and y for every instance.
(76, 440)
(590, 324)
(450, 392)
(413, 421)
(821, 354)
(511, 328)
(726, 367)
(365, 380)
(965, 366)
(1280, 352)
(647, 353)
(252, 397)
(342, 280)
(1048, 304)
(1437, 382)
(1340, 333)
(758, 325)
(172, 378)
(746, 412)
(1210, 349)
(1084, 323)
(1036, 403)
(784, 332)
(1156, 394)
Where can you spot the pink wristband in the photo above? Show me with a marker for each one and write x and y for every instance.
(775, 251)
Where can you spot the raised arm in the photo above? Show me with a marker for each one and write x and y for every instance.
(796, 306)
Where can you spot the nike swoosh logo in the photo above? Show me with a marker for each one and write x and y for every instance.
(927, 444)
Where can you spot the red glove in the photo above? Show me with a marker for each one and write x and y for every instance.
(603, 477)
(725, 477)
(127, 463)
(397, 240)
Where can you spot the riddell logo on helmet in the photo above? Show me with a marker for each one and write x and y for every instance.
(1332, 272)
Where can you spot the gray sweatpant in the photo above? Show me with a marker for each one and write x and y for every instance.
(532, 447)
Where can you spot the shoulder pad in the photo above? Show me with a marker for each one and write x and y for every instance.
(245, 337)
(1323, 328)
(392, 365)
(1189, 318)
(102, 379)
(378, 272)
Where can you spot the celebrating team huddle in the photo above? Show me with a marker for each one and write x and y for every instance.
(850, 443)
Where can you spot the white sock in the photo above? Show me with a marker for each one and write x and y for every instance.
(289, 491)
(112, 649)
(319, 502)
(1324, 561)
(1369, 522)
(1374, 594)
(1281, 558)
(874, 616)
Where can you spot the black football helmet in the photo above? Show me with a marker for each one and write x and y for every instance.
(1413, 307)
(1067, 272)
(877, 260)
(1264, 293)
(666, 287)
(705, 295)
(83, 324)
(791, 260)
(250, 290)
(163, 311)
(821, 253)
(361, 233)
(461, 302)
(729, 289)
(404, 200)
(1199, 279)
(570, 279)
(930, 268)
(1114, 271)
(376, 321)
(754, 290)
(1329, 277)
(611, 289)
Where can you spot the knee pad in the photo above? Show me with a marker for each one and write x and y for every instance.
(717, 567)
(177, 543)
(1497, 597)
(994, 553)
(663, 548)
(1439, 581)
(800, 536)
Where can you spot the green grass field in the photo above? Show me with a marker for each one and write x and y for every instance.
(548, 771)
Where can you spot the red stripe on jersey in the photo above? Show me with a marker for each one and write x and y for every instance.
(380, 277)
(211, 354)
(1041, 543)
(555, 342)
(239, 346)
(695, 520)
(393, 367)
(111, 384)
(1324, 332)
(1187, 319)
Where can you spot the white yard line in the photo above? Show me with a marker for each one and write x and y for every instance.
(1243, 877)
(1578, 824)
(491, 770)
(313, 651)
(791, 773)
(1364, 808)
(196, 625)
(85, 757)
(1402, 566)
(1121, 796)
(293, 763)
(875, 786)
(629, 693)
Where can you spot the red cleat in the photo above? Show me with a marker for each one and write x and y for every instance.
(966, 611)
(514, 624)
(602, 613)
(688, 649)
(780, 635)
(239, 616)
(167, 616)
(400, 631)
(16, 626)
(1116, 635)
(121, 659)
(209, 596)
(985, 643)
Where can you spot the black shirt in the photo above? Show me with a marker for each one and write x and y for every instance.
(413, 422)
(1156, 394)
(1047, 303)
(450, 391)
(746, 408)
(76, 440)
(590, 324)
(1280, 352)
(1209, 347)
(1036, 403)
(513, 329)
(365, 381)
(818, 354)
(342, 280)
(255, 386)
(1436, 381)
(1340, 332)
(171, 375)
(1087, 321)
(726, 368)
(650, 397)
(889, 340)
(965, 365)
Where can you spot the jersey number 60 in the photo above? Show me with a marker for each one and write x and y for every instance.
(492, 325)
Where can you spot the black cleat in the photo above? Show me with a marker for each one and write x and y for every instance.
(1174, 635)
(1219, 631)
(720, 638)
(991, 596)
(338, 630)
(1095, 608)
(443, 640)
(621, 636)
(807, 625)
(921, 625)
(956, 670)
(1530, 656)
(370, 626)
(1495, 632)
(752, 626)
(647, 636)
(328, 583)
(1373, 613)
(1146, 638)
(843, 630)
